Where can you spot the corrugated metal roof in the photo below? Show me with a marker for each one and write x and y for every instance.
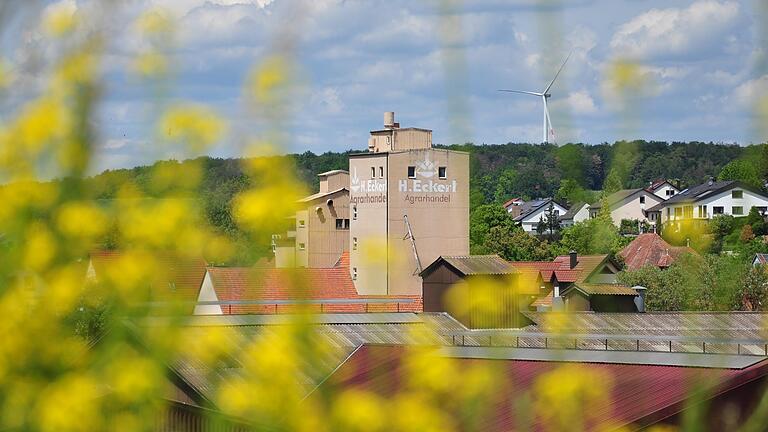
(604, 289)
(283, 319)
(716, 361)
(479, 264)
(636, 394)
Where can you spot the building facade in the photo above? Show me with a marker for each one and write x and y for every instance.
(629, 204)
(710, 199)
(409, 204)
(321, 231)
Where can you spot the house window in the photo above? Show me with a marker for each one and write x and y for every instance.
(678, 212)
(717, 210)
(354, 273)
(411, 172)
(737, 194)
(354, 212)
(342, 224)
(302, 246)
(302, 223)
(381, 172)
(642, 200)
(737, 210)
(354, 243)
(762, 210)
(688, 212)
(442, 172)
(373, 172)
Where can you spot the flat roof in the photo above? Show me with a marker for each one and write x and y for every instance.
(401, 129)
(406, 151)
(715, 361)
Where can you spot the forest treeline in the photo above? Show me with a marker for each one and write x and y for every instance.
(497, 172)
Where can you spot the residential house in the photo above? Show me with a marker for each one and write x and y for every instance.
(629, 204)
(531, 212)
(649, 249)
(577, 213)
(465, 287)
(704, 201)
(663, 188)
(583, 283)
(760, 260)
(513, 206)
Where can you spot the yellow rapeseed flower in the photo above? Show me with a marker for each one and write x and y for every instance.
(195, 125)
(151, 64)
(155, 22)
(82, 220)
(60, 19)
(268, 79)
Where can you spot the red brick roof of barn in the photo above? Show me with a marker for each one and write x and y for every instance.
(343, 260)
(638, 394)
(300, 284)
(175, 277)
(650, 249)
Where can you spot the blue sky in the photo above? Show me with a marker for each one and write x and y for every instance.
(438, 67)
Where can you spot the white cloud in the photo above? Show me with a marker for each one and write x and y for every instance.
(581, 102)
(673, 31)
(328, 100)
(746, 94)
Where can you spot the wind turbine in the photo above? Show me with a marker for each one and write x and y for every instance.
(544, 96)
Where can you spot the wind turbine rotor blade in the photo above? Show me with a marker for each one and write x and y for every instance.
(523, 92)
(558, 73)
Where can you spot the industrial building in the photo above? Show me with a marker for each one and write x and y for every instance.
(409, 205)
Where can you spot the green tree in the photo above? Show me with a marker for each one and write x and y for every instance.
(592, 236)
(483, 219)
(753, 295)
(514, 244)
(612, 182)
(552, 220)
(743, 170)
(506, 186)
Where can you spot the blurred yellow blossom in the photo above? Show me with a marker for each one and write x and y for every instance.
(195, 125)
(151, 64)
(60, 18)
(155, 22)
(266, 81)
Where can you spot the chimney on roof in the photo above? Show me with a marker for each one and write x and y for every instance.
(574, 258)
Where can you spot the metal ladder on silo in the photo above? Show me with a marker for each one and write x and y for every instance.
(409, 235)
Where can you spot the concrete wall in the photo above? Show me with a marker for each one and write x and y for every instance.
(437, 209)
(325, 241)
(368, 261)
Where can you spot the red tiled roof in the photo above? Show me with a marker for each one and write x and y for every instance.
(567, 275)
(638, 395)
(171, 276)
(650, 249)
(545, 300)
(243, 283)
(343, 260)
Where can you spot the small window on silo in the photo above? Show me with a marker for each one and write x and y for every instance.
(373, 172)
(346, 224)
(302, 246)
(411, 172)
(354, 273)
(381, 171)
(354, 243)
(442, 172)
(302, 223)
(354, 212)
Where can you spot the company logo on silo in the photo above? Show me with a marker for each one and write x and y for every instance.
(363, 186)
(426, 169)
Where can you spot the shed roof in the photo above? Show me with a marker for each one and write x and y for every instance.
(616, 197)
(320, 195)
(473, 265)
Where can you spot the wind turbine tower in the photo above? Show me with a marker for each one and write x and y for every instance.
(548, 130)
